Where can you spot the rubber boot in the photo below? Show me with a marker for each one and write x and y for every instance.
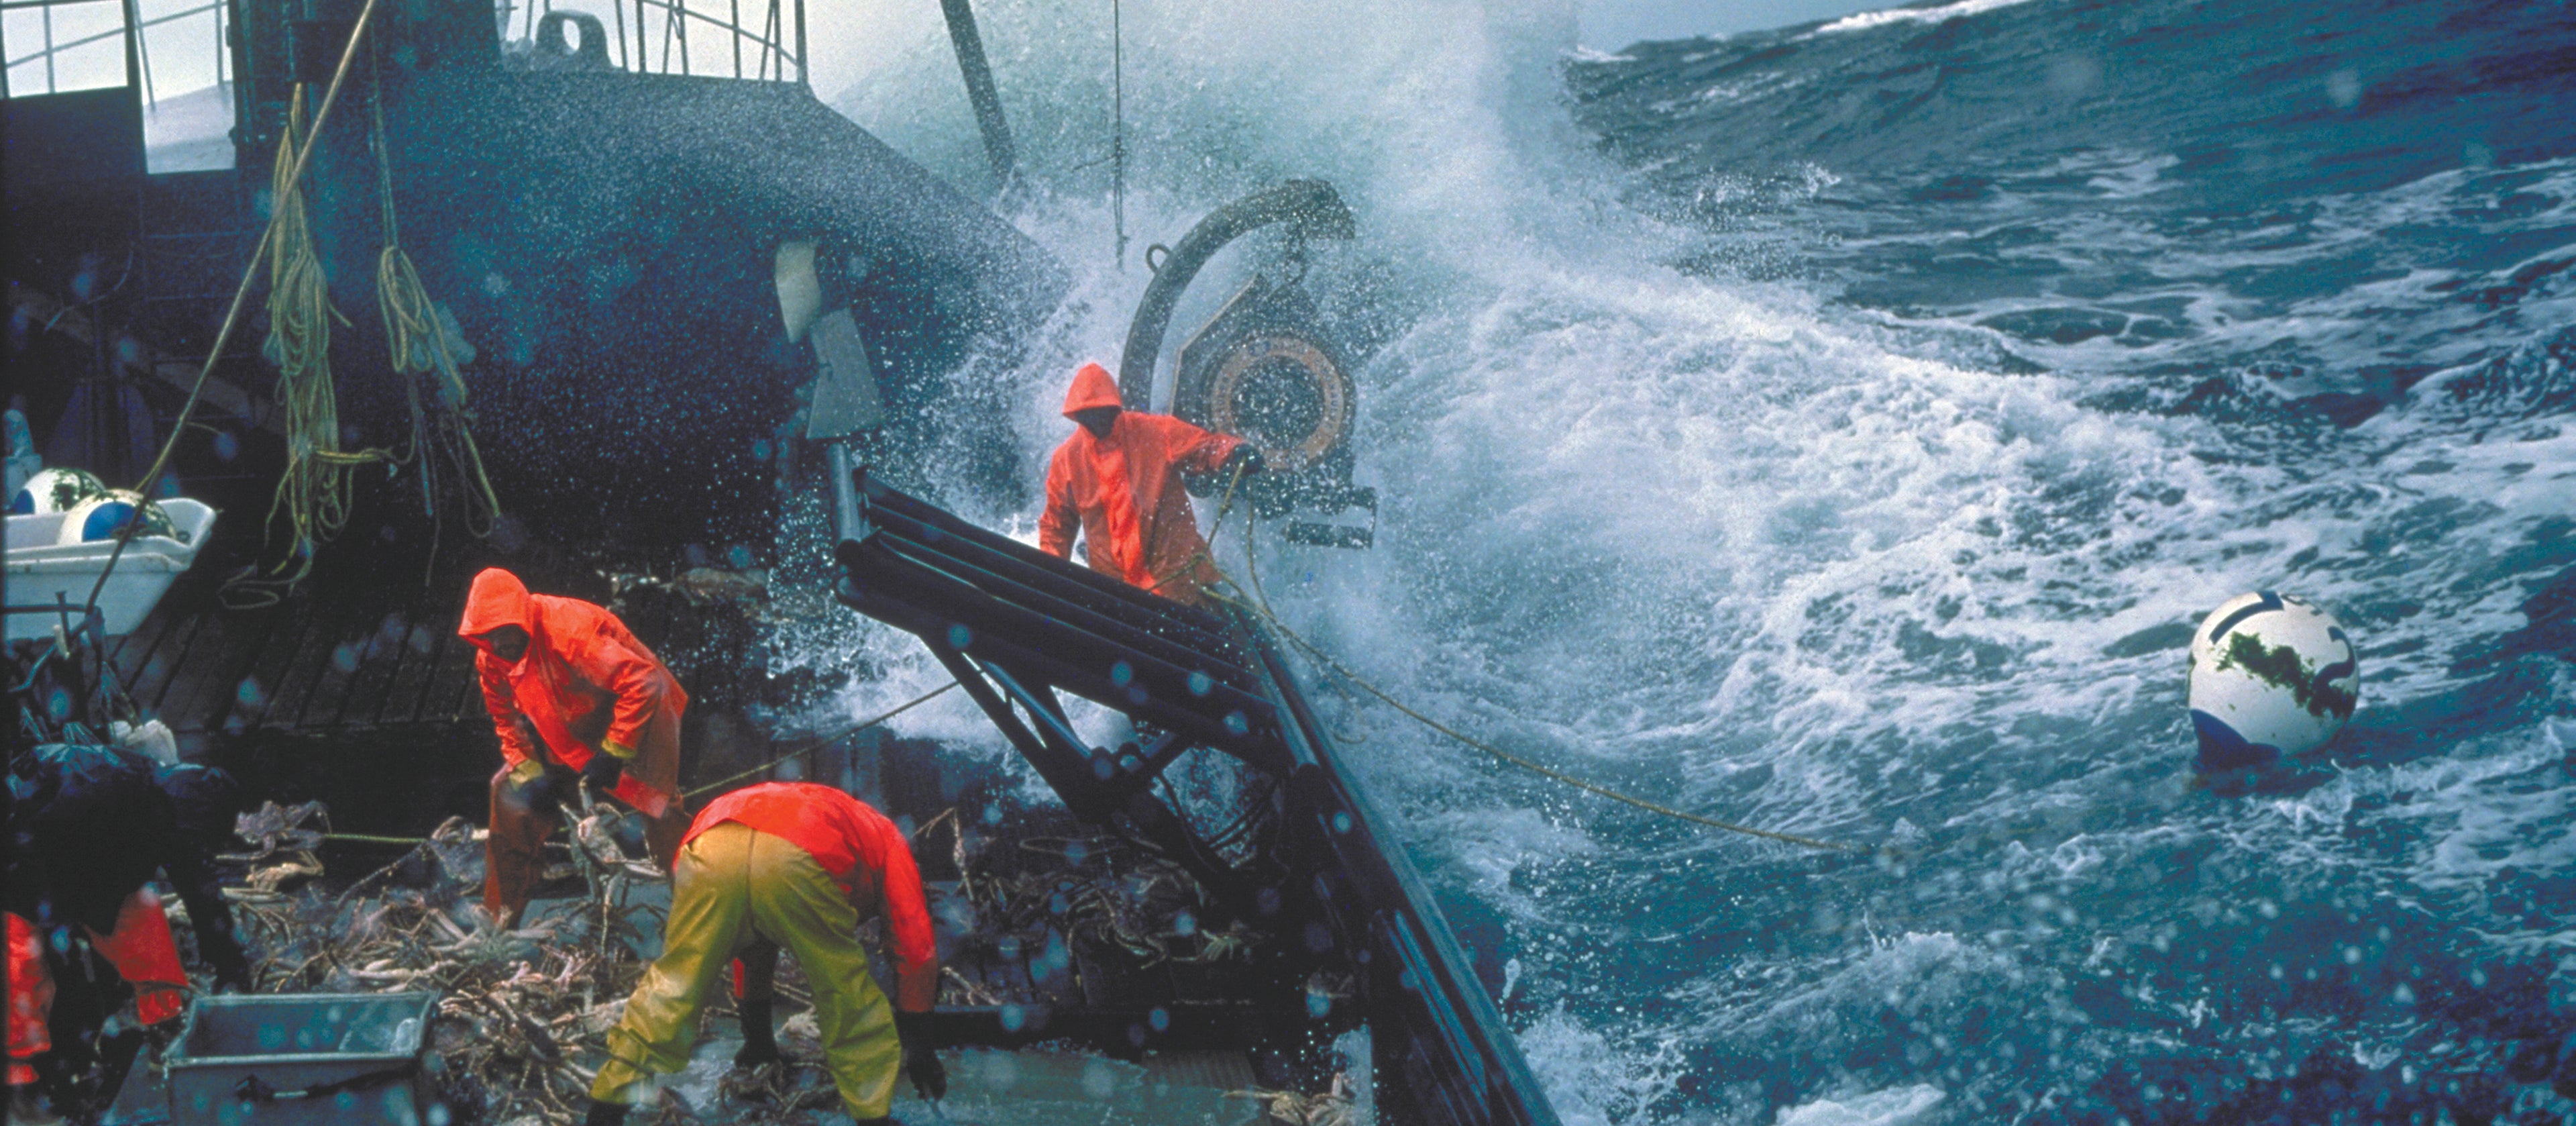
(759, 1041)
(605, 1114)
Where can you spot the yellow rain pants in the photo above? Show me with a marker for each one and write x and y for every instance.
(732, 886)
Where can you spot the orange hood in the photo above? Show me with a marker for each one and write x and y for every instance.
(1092, 388)
(497, 599)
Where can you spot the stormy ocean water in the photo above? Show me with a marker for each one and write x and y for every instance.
(1840, 430)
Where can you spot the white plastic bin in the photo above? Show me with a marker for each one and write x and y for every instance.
(40, 569)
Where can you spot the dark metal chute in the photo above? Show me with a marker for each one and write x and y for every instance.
(1015, 626)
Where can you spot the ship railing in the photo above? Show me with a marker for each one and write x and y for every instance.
(87, 44)
(654, 36)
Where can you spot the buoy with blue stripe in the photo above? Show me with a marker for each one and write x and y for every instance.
(2271, 676)
(100, 518)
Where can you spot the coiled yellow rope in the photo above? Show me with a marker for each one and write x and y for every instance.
(313, 494)
(417, 339)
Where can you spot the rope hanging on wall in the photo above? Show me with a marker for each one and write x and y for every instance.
(418, 338)
(314, 493)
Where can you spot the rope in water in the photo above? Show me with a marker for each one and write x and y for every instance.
(232, 315)
(1261, 607)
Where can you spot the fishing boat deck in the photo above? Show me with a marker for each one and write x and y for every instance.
(365, 643)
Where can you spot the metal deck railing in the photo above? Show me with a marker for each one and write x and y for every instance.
(56, 46)
(655, 36)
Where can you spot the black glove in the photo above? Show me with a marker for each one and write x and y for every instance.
(602, 772)
(920, 1063)
(759, 1041)
(1245, 458)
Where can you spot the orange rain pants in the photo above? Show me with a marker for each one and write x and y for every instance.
(140, 948)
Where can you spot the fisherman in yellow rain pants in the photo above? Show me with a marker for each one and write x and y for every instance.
(795, 865)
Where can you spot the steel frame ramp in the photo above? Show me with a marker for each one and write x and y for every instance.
(1017, 626)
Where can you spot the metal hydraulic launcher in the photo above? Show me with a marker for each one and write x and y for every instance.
(1017, 626)
(1267, 366)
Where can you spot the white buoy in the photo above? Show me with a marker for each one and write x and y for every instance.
(2271, 675)
(55, 490)
(101, 517)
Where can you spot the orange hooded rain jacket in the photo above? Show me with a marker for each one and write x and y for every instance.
(585, 684)
(1124, 492)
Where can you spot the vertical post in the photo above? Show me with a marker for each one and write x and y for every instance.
(802, 78)
(138, 57)
(1118, 130)
(979, 90)
(773, 47)
(847, 521)
(737, 38)
(643, 48)
(49, 47)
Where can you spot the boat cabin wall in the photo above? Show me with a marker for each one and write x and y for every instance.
(605, 240)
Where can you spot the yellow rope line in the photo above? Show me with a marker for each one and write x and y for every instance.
(418, 342)
(1252, 568)
(1206, 549)
(819, 743)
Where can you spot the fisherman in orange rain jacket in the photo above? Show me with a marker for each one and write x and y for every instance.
(569, 687)
(800, 866)
(1116, 478)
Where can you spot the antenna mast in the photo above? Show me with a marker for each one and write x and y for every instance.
(1118, 131)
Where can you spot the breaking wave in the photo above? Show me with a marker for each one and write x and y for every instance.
(1839, 430)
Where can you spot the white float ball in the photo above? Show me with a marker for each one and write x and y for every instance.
(101, 517)
(2271, 675)
(55, 490)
